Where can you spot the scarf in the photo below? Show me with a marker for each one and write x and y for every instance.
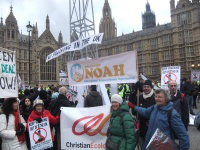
(145, 96)
(22, 137)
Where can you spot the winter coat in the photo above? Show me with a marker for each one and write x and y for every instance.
(63, 101)
(187, 89)
(8, 133)
(158, 119)
(181, 107)
(144, 122)
(93, 99)
(122, 132)
(26, 113)
(46, 113)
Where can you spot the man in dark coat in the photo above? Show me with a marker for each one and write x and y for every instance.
(61, 101)
(93, 98)
(187, 89)
(146, 100)
(180, 103)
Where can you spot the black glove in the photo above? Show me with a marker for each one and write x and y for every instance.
(21, 126)
(38, 120)
(19, 132)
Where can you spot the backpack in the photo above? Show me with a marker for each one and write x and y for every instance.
(197, 121)
(136, 126)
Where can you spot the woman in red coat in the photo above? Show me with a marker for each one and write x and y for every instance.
(39, 112)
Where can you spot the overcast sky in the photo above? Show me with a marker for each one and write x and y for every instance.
(126, 13)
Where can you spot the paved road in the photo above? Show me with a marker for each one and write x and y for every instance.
(194, 134)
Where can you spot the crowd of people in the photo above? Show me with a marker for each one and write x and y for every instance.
(149, 105)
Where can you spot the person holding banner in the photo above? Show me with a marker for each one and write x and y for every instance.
(121, 133)
(163, 116)
(12, 126)
(39, 112)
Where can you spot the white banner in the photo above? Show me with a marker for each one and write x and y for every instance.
(119, 68)
(40, 135)
(85, 130)
(195, 75)
(76, 45)
(171, 73)
(8, 77)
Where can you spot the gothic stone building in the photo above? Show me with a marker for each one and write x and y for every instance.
(42, 73)
(175, 43)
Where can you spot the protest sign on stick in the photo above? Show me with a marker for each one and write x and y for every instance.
(40, 135)
(8, 79)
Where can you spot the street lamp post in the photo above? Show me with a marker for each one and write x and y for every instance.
(29, 29)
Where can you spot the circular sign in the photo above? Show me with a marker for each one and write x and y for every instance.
(39, 135)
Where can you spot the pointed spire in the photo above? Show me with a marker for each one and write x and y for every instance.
(148, 8)
(1, 20)
(36, 25)
(11, 8)
(106, 1)
(47, 23)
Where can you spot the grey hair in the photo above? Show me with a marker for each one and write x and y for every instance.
(165, 93)
(63, 91)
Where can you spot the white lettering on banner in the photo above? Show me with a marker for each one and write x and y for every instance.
(171, 73)
(87, 129)
(8, 79)
(119, 68)
(76, 45)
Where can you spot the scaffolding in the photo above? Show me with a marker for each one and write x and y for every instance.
(82, 25)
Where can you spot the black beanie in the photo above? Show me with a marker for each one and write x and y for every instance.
(148, 82)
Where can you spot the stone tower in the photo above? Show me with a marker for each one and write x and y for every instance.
(11, 31)
(107, 24)
(148, 18)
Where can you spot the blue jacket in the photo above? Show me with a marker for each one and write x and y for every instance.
(158, 119)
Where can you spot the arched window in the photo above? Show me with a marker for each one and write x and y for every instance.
(13, 34)
(8, 34)
(47, 69)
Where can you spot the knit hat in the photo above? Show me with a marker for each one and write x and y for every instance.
(148, 82)
(54, 96)
(37, 102)
(116, 98)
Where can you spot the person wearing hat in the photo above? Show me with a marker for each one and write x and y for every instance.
(121, 134)
(39, 112)
(146, 100)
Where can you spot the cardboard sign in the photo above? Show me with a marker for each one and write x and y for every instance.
(171, 73)
(195, 75)
(8, 78)
(40, 135)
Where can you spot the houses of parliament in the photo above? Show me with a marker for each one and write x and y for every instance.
(173, 44)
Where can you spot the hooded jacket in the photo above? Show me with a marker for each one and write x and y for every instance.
(122, 133)
(93, 99)
(158, 119)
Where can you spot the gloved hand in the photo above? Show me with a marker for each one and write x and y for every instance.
(21, 126)
(38, 120)
(19, 132)
(131, 105)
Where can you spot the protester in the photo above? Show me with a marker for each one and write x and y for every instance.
(146, 100)
(93, 98)
(27, 108)
(195, 94)
(179, 103)
(158, 118)
(12, 126)
(39, 112)
(187, 89)
(121, 132)
(54, 108)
